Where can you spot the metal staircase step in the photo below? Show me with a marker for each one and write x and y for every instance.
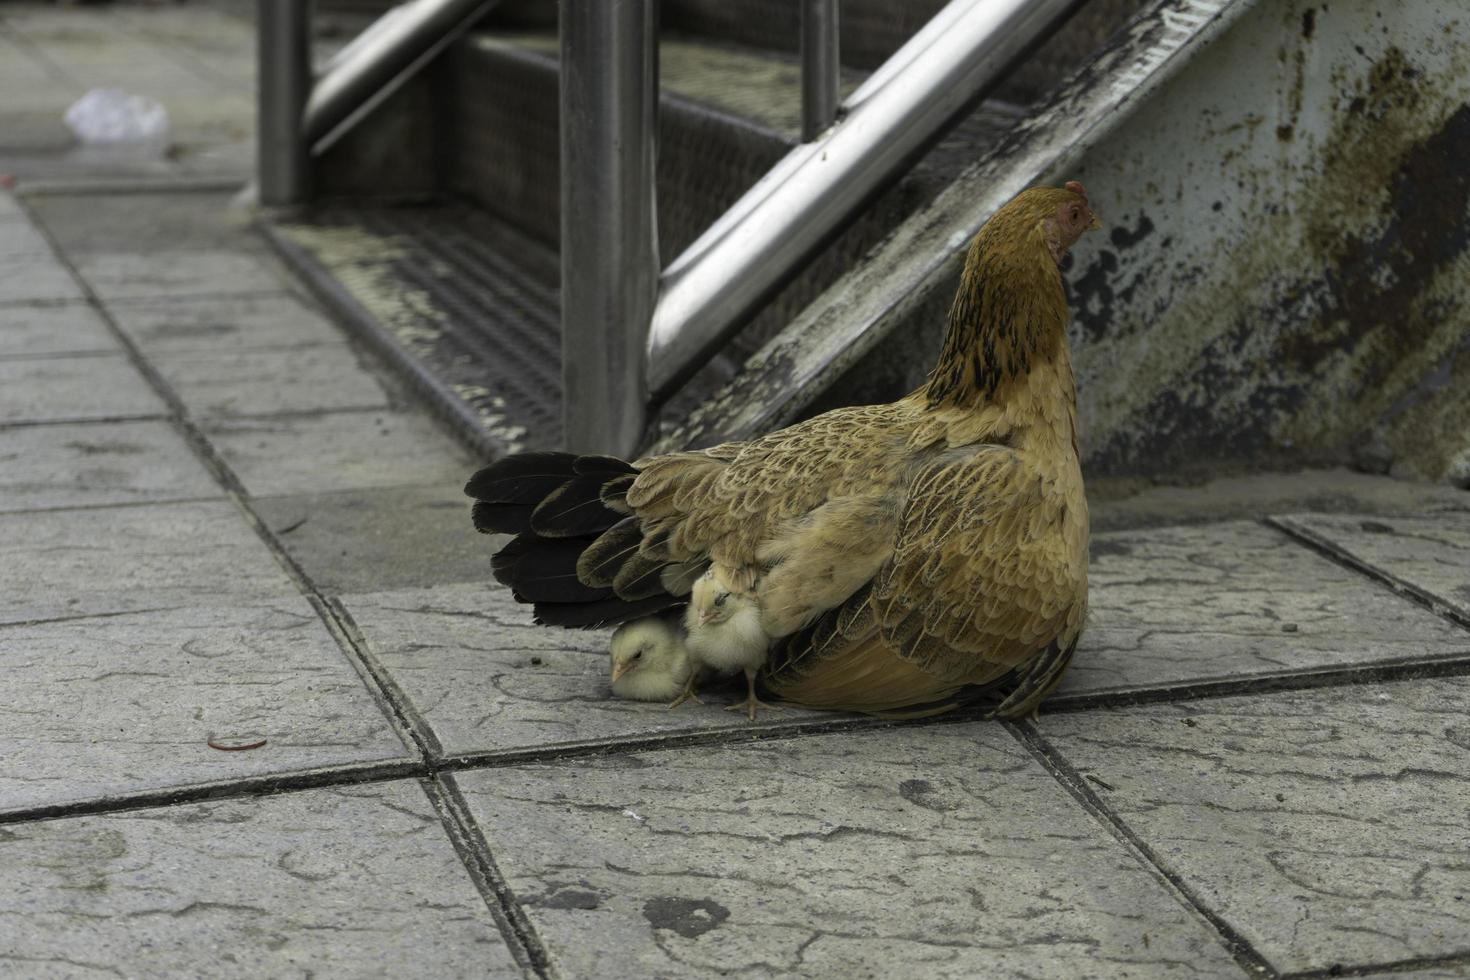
(467, 306)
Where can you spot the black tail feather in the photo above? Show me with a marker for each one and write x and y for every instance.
(574, 509)
(606, 465)
(607, 612)
(495, 518)
(575, 555)
(547, 572)
(525, 478)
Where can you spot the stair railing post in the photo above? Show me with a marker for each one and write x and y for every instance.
(821, 68)
(283, 64)
(609, 247)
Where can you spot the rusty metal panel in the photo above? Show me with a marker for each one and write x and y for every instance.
(1285, 275)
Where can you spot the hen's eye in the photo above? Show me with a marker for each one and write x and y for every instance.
(720, 599)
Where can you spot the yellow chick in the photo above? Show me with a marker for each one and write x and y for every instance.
(650, 661)
(724, 632)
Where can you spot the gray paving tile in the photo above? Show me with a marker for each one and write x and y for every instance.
(1328, 827)
(1432, 554)
(486, 679)
(158, 275)
(74, 389)
(9, 207)
(37, 279)
(120, 559)
(20, 238)
(67, 328)
(114, 705)
(338, 451)
(102, 463)
(239, 383)
(921, 851)
(1170, 606)
(349, 882)
(223, 323)
(161, 223)
(371, 540)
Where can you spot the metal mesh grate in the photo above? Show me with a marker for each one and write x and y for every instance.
(470, 299)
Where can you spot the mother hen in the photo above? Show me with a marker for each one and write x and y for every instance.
(907, 558)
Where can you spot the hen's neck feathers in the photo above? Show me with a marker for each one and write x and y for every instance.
(1008, 320)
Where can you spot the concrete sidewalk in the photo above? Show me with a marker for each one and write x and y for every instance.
(220, 523)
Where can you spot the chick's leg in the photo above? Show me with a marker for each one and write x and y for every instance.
(751, 702)
(688, 694)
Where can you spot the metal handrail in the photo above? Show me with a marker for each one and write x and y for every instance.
(704, 295)
(706, 292)
(301, 116)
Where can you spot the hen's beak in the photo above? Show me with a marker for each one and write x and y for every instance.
(619, 669)
(1095, 224)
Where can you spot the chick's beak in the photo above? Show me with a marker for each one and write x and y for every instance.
(620, 668)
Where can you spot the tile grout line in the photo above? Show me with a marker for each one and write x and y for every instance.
(351, 774)
(513, 924)
(234, 489)
(413, 728)
(1072, 782)
(1306, 679)
(474, 851)
(1339, 555)
(1382, 969)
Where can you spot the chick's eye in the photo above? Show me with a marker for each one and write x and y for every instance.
(720, 599)
(638, 655)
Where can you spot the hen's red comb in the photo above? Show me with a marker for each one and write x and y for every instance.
(1075, 186)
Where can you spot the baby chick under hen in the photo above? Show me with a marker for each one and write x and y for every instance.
(724, 632)
(650, 661)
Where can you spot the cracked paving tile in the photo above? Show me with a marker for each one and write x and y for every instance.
(338, 451)
(236, 383)
(1171, 606)
(1329, 827)
(485, 678)
(20, 238)
(162, 274)
(935, 851)
(218, 323)
(111, 705)
(102, 463)
(66, 328)
(37, 278)
(354, 881)
(372, 540)
(68, 563)
(74, 389)
(1431, 554)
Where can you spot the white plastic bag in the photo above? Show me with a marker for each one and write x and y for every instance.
(110, 115)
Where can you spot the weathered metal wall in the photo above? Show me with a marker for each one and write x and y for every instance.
(1285, 271)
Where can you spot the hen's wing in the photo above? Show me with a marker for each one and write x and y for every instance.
(724, 503)
(986, 584)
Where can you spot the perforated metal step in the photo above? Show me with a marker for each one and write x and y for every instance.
(468, 306)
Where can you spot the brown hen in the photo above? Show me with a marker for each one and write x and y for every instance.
(906, 558)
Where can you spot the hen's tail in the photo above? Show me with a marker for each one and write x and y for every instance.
(578, 552)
